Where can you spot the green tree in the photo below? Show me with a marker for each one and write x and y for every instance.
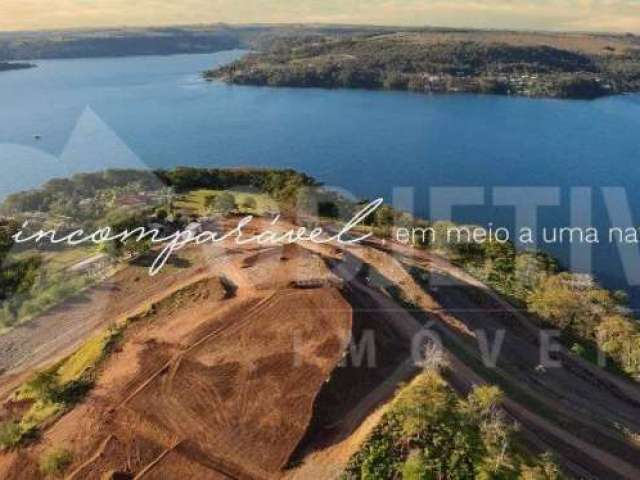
(383, 216)
(7, 230)
(328, 209)
(502, 256)
(161, 214)
(429, 433)
(378, 464)
(448, 436)
(555, 301)
(531, 268)
(132, 245)
(619, 337)
(135, 247)
(573, 303)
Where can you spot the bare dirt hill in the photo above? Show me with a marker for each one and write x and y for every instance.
(60, 330)
(206, 385)
(243, 370)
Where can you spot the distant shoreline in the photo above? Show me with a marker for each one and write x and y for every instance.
(8, 66)
(501, 63)
(167, 40)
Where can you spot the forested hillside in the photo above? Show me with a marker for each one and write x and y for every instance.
(158, 41)
(565, 66)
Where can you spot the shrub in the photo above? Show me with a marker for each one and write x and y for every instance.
(484, 399)
(11, 434)
(544, 469)
(378, 464)
(55, 462)
(40, 411)
(414, 468)
(7, 315)
(578, 350)
(224, 203)
(249, 203)
(161, 214)
(44, 385)
(54, 390)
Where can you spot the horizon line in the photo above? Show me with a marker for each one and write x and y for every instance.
(316, 24)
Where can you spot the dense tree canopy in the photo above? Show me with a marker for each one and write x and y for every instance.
(425, 64)
(430, 433)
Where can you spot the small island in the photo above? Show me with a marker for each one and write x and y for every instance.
(577, 66)
(5, 66)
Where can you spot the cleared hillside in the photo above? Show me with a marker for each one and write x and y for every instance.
(243, 371)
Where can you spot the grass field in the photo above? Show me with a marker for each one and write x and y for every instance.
(57, 261)
(52, 391)
(193, 203)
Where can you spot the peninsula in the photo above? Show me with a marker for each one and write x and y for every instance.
(558, 65)
(5, 66)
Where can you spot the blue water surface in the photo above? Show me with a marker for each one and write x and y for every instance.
(87, 114)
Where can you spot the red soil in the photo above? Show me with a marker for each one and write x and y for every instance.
(205, 386)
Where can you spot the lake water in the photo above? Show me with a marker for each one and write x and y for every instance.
(157, 111)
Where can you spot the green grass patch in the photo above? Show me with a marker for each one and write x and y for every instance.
(40, 411)
(59, 259)
(55, 462)
(11, 434)
(44, 295)
(54, 390)
(87, 357)
(194, 202)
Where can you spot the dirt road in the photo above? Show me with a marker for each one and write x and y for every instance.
(58, 332)
(609, 458)
(576, 409)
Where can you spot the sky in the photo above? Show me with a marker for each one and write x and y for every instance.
(596, 15)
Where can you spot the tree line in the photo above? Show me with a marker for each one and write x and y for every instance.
(387, 62)
(593, 320)
(430, 433)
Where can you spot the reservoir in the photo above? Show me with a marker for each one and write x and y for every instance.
(77, 115)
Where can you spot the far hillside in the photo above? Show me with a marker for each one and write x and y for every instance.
(518, 63)
(118, 42)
